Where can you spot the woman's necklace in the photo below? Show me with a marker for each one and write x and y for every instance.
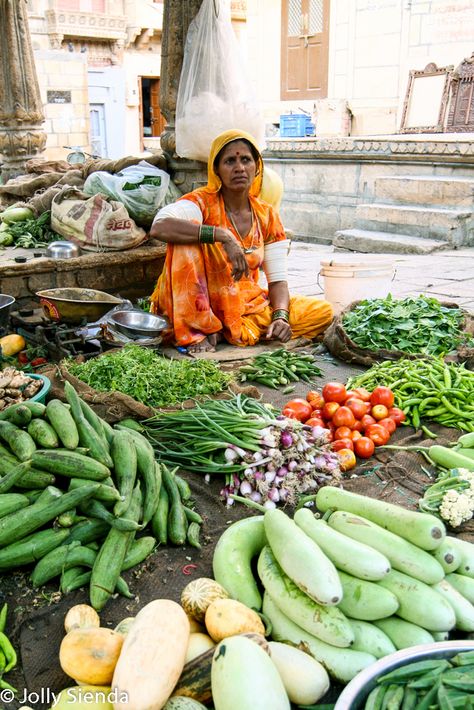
(251, 248)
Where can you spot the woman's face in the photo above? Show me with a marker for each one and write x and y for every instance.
(236, 166)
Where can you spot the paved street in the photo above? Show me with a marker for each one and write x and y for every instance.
(446, 275)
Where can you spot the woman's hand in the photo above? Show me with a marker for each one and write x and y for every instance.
(234, 252)
(279, 329)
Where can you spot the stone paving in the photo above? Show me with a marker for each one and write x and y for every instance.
(446, 275)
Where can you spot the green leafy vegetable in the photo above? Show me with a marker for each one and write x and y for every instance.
(412, 325)
(32, 233)
(150, 378)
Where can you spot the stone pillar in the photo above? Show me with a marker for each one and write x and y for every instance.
(21, 110)
(177, 16)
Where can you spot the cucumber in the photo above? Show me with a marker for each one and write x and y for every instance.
(124, 457)
(150, 473)
(35, 478)
(463, 609)
(232, 560)
(422, 529)
(419, 603)
(370, 639)
(159, 521)
(96, 509)
(236, 658)
(177, 520)
(138, 551)
(130, 423)
(62, 422)
(88, 437)
(11, 502)
(343, 664)
(69, 463)
(365, 600)
(31, 548)
(110, 558)
(402, 554)
(14, 476)
(107, 430)
(464, 585)
(74, 578)
(87, 531)
(63, 557)
(403, 634)
(448, 556)
(19, 441)
(37, 409)
(347, 554)
(20, 416)
(105, 493)
(18, 525)
(327, 623)
(94, 420)
(43, 434)
(466, 550)
(302, 559)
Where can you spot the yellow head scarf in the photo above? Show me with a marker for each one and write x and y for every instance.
(214, 182)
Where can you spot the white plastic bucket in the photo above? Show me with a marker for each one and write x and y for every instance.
(347, 280)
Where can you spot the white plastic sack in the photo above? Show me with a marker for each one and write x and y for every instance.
(143, 201)
(214, 93)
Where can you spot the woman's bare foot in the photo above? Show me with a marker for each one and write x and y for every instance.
(207, 345)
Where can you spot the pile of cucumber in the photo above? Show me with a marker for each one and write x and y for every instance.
(76, 495)
(366, 579)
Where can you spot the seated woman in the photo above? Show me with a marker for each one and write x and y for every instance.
(218, 237)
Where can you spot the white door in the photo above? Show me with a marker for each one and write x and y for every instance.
(98, 137)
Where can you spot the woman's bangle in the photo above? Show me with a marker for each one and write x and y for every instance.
(207, 234)
(281, 314)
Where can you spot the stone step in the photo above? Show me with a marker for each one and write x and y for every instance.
(453, 226)
(362, 240)
(439, 190)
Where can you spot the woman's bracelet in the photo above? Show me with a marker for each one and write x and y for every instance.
(281, 314)
(207, 234)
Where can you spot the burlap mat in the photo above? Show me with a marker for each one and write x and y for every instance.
(342, 346)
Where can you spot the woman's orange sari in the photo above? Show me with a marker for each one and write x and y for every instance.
(196, 291)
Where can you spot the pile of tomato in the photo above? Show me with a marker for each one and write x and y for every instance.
(358, 420)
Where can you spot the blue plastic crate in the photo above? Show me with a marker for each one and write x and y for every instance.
(296, 125)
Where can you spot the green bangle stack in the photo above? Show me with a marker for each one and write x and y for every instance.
(281, 314)
(207, 234)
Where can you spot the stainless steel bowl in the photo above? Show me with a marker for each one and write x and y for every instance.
(135, 323)
(62, 250)
(355, 694)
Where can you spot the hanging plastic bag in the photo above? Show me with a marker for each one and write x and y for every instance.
(141, 188)
(214, 92)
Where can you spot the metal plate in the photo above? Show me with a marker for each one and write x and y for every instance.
(138, 324)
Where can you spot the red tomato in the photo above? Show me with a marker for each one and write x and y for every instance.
(298, 408)
(316, 421)
(22, 357)
(347, 459)
(349, 394)
(355, 435)
(364, 447)
(315, 399)
(317, 413)
(388, 423)
(339, 444)
(382, 395)
(379, 411)
(329, 409)
(343, 417)
(357, 407)
(342, 432)
(362, 393)
(397, 415)
(334, 392)
(366, 421)
(378, 433)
